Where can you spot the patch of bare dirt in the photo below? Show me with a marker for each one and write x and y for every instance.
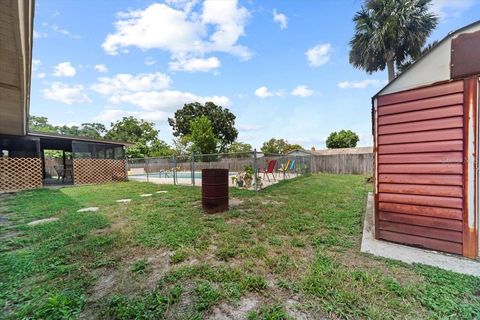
(235, 221)
(234, 311)
(268, 202)
(234, 203)
(297, 311)
(184, 305)
(123, 280)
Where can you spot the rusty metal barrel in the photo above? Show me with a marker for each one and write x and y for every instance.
(214, 190)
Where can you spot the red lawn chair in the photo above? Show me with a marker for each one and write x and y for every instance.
(270, 168)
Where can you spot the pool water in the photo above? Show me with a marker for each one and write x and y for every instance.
(180, 175)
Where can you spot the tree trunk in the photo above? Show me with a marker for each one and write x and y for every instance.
(391, 70)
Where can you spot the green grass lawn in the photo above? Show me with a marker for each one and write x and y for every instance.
(290, 251)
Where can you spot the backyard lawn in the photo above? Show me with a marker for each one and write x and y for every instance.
(288, 252)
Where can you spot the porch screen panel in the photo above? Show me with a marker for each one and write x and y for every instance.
(98, 163)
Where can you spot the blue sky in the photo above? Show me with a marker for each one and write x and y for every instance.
(280, 66)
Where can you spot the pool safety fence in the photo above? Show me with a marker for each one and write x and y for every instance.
(252, 170)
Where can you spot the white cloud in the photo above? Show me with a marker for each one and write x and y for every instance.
(100, 68)
(68, 94)
(319, 55)
(195, 64)
(122, 83)
(39, 34)
(155, 105)
(361, 84)
(264, 92)
(112, 115)
(35, 64)
(64, 69)
(451, 8)
(60, 30)
(147, 91)
(229, 21)
(302, 91)
(166, 100)
(280, 18)
(185, 5)
(185, 33)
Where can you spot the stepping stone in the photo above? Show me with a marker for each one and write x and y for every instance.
(146, 195)
(34, 223)
(124, 200)
(89, 209)
(161, 192)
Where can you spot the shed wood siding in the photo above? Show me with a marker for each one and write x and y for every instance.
(420, 146)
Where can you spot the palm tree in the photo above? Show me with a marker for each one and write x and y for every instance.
(388, 32)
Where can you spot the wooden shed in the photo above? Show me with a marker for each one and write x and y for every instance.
(426, 138)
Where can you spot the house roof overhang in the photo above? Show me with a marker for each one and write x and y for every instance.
(54, 139)
(16, 41)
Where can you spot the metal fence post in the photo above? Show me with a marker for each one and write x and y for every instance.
(296, 161)
(174, 170)
(193, 169)
(147, 169)
(255, 169)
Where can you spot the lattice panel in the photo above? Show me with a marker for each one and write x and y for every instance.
(92, 171)
(20, 173)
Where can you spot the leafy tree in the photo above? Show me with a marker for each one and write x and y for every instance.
(92, 130)
(223, 121)
(294, 147)
(141, 133)
(160, 148)
(388, 32)
(202, 137)
(40, 124)
(240, 147)
(279, 146)
(342, 139)
(182, 145)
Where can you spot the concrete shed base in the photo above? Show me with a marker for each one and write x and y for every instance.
(410, 254)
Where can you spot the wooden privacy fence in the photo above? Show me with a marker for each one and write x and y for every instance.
(343, 163)
(50, 164)
(340, 163)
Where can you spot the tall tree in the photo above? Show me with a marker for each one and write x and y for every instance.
(223, 121)
(139, 132)
(342, 139)
(40, 124)
(202, 136)
(240, 147)
(279, 146)
(388, 32)
(92, 130)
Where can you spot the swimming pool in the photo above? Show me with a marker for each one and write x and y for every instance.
(180, 175)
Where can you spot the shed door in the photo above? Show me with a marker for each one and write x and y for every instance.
(420, 141)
